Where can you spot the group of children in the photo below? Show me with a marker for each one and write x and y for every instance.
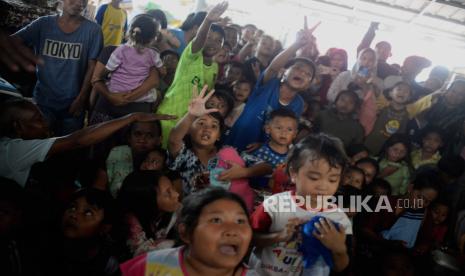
(232, 184)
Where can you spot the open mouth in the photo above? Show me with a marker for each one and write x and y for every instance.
(205, 137)
(229, 249)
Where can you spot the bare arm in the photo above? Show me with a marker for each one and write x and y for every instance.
(368, 37)
(97, 133)
(214, 15)
(79, 103)
(303, 38)
(196, 109)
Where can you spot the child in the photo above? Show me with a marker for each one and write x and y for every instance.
(315, 166)
(356, 152)
(355, 177)
(143, 138)
(392, 119)
(196, 66)
(233, 71)
(86, 225)
(407, 224)
(282, 130)
(193, 146)
(339, 121)
(222, 101)
(170, 62)
(308, 120)
(130, 64)
(379, 187)
(370, 167)
(150, 202)
(439, 213)
(272, 93)
(428, 154)
(155, 160)
(215, 229)
(394, 163)
(241, 92)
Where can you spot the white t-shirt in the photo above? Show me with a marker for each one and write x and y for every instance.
(284, 258)
(17, 156)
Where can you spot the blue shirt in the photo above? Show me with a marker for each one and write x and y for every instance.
(179, 34)
(267, 154)
(65, 56)
(248, 128)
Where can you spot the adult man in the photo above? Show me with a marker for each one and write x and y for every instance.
(68, 44)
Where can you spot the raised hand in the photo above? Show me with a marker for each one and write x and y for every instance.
(15, 55)
(197, 105)
(214, 14)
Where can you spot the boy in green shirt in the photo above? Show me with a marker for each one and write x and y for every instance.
(196, 66)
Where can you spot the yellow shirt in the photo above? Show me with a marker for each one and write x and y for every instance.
(113, 22)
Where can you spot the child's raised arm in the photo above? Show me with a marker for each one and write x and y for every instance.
(212, 16)
(195, 110)
(303, 38)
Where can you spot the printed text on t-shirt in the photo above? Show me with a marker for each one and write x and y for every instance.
(61, 49)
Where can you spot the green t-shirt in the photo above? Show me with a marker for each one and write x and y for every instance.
(190, 70)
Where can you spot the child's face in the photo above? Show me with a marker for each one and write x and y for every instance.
(337, 61)
(167, 197)
(241, 92)
(154, 161)
(231, 36)
(426, 196)
(400, 94)
(248, 33)
(205, 130)
(223, 55)
(354, 179)
(82, 220)
(213, 44)
(316, 178)
(265, 46)
(170, 62)
(144, 137)
(396, 152)
(455, 95)
(369, 170)
(218, 103)
(298, 76)
(222, 235)
(282, 130)
(379, 191)
(232, 74)
(439, 213)
(359, 155)
(367, 60)
(432, 142)
(345, 104)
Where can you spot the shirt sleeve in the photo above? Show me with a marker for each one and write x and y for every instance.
(134, 267)
(22, 154)
(156, 60)
(96, 44)
(100, 13)
(260, 220)
(420, 105)
(31, 33)
(115, 59)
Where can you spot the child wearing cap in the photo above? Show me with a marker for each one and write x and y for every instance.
(272, 92)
